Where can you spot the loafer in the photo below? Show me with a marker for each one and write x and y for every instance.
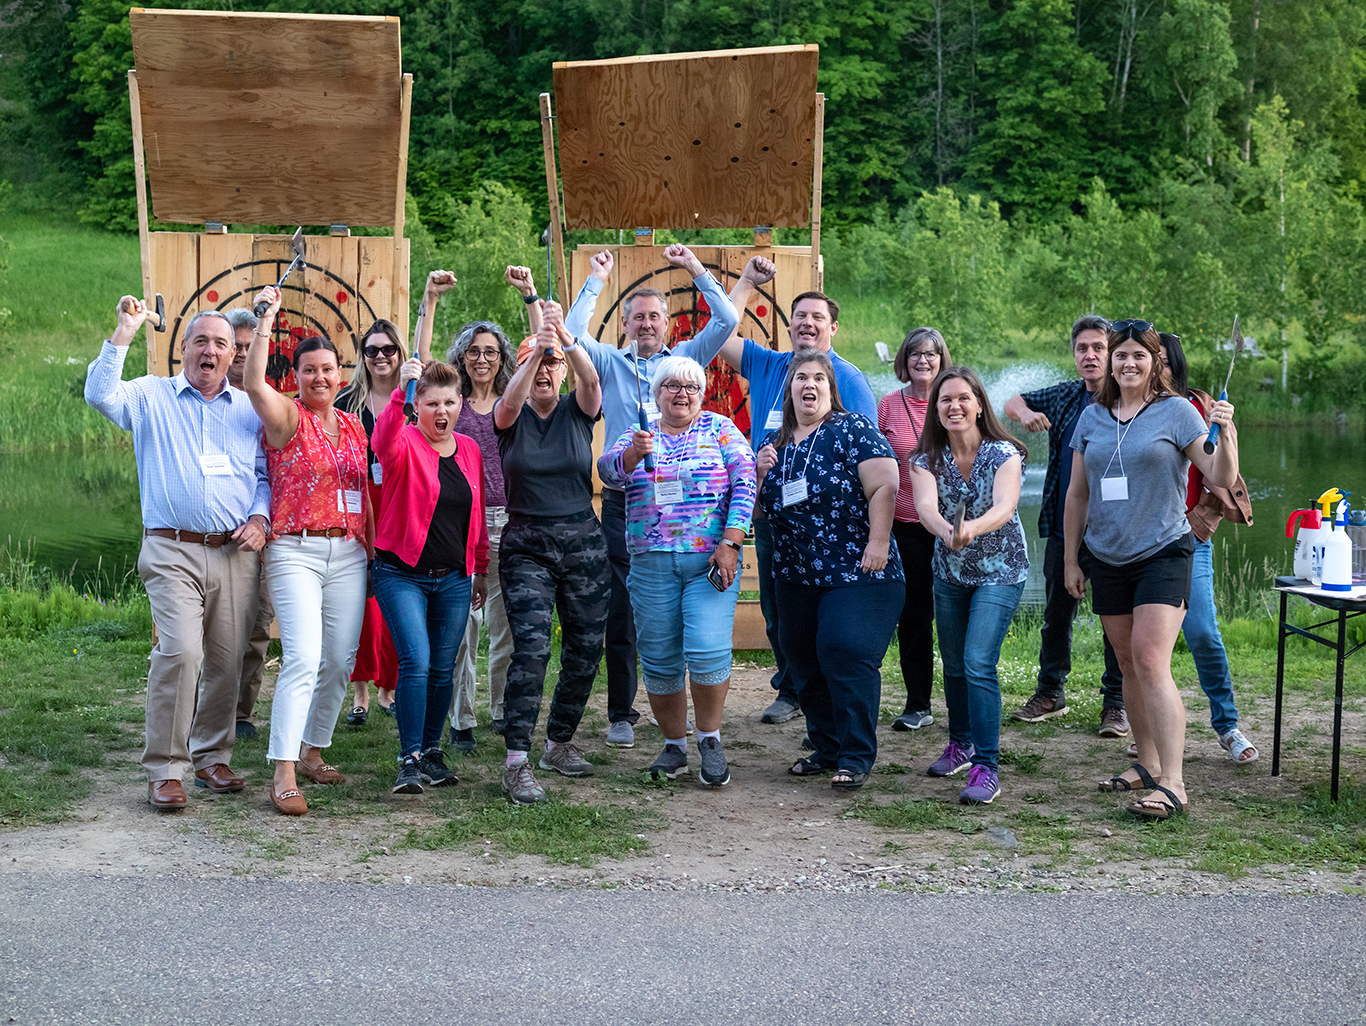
(322, 774)
(245, 729)
(288, 803)
(166, 794)
(219, 779)
(357, 716)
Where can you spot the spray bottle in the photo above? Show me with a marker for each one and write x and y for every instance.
(1309, 522)
(1317, 551)
(1337, 553)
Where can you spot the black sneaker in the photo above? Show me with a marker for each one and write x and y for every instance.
(463, 740)
(409, 777)
(433, 770)
(715, 771)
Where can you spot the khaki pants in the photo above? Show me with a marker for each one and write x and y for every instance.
(203, 604)
(500, 639)
(255, 657)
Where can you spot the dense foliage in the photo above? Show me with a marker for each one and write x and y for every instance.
(989, 164)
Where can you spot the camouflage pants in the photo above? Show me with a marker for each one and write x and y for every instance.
(549, 564)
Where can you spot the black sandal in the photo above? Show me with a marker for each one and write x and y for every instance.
(1153, 808)
(809, 766)
(1120, 784)
(853, 780)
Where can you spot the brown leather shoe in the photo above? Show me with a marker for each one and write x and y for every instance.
(166, 795)
(219, 779)
(322, 774)
(290, 802)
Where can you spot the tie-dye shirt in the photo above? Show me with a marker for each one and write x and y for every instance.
(713, 462)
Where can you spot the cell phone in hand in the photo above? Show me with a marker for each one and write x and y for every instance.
(714, 575)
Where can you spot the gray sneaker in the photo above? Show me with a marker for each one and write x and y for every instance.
(621, 735)
(567, 760)
(671, 762)
(715, 771)
(780, 711)
(520, 785)
(912, 720)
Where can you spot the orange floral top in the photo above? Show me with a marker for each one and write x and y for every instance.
(315, 485)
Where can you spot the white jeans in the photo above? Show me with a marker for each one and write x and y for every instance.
(317, 586)
(500, 639)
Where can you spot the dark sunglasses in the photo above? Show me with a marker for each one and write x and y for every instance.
(1130, 329)
(374, 351)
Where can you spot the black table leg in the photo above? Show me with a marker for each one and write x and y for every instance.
(1280, 680)
(1337, 699)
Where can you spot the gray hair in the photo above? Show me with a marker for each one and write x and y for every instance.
(1088, 322)
(240, 317)
(507, 353)
(189, 325)
(680, 368)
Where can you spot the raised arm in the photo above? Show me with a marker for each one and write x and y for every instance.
(278, 414)
(105, 389)
(509, 406)
(880, 480)
(438, 283)
(520, 279)
(587, 384)
(1221, 468)
(581, 312)
(758, 271)
(724, 320)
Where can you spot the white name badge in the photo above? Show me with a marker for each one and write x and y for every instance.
(215, 466)
(1114, 489)
(651, 409)
(376, 474)
(794, 492)
(774, 421)
(668, 491)
(348, 501)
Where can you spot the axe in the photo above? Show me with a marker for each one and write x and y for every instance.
(156, 318)
(1236, 339)
(299, 249)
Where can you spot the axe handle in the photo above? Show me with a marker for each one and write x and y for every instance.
(645, 426)
(153, 318)
(410, 403)
(259, 310)
(1213, 438)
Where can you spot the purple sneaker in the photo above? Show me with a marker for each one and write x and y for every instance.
(955, 759)
(983, 786)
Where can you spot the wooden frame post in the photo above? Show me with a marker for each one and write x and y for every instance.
(553, 194)
(140, 172)
(401, 286)
(816, 195)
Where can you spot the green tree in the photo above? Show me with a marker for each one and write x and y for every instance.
(1196, 67)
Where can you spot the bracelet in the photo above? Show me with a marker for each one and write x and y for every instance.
(533, 298)
(263, 334)
(569, 349)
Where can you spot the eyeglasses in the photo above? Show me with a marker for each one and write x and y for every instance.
(674, 387)
(922, 356)
(482, 354)
(1131, 329)
(241, 347)
(373, 351)
(552, 362)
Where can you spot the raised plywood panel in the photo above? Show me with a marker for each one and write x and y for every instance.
(721, 139)
(336, 294)
(269, 118)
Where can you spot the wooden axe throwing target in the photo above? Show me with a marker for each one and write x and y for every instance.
(271, 119)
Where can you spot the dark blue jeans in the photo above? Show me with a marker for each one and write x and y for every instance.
(426, 616)
(973, 622)
(781, 680)
(1055, 637)
(835, 639)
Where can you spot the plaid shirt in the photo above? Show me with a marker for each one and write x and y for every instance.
(1062, 405)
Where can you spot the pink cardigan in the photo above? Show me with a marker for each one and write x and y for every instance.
(411, 488)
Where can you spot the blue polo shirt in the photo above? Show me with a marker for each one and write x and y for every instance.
(766, 370)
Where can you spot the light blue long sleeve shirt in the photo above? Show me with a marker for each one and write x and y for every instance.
(620, 408)
(180, 440)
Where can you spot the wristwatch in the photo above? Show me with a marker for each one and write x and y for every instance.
(533, 298)
(734, 545)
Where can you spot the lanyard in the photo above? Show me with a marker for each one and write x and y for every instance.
(790, 450)
(909, 419)
(1119, 441)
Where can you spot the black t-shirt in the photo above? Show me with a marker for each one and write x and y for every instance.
(548, 463)
(367, 421)
(448, 534)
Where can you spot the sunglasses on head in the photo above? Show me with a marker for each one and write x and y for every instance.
(374, 351)
(1130, 329)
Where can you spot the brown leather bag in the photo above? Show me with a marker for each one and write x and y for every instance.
(1218, 504)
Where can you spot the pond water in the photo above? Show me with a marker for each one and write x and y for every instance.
(79, 515)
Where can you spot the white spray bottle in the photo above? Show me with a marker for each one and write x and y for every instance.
(1337, 553)
(1316, 543)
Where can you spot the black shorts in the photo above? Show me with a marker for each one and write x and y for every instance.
(1162, 579)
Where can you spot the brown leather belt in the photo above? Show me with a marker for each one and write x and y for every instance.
(330, 532)
(213, 541)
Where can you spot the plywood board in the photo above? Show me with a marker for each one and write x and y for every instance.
(270, 118)
(749, 630)
(219, 272)
(721, 139)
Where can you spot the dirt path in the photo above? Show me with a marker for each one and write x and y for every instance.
(1049, 830)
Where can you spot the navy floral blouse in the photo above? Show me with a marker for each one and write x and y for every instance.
(996, 558)
(819, 540)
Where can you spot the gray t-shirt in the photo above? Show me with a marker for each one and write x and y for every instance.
(1123, 531)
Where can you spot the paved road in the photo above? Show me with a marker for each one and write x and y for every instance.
(79, 949)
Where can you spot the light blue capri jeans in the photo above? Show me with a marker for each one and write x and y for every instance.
(683, 624)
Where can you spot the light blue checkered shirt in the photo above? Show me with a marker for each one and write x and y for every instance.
(173, 429)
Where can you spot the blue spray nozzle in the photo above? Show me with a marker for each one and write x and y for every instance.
(1344, 507)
